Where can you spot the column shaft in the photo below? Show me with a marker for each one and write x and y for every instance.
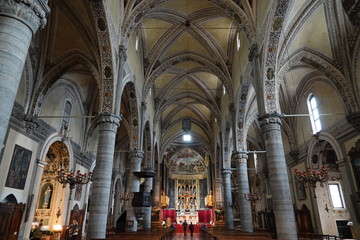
(136, 158)
(99, 204)
(229, 216)
(18, 22)
(243, 188)
(279, 180)
(147, 215)
(156, 191)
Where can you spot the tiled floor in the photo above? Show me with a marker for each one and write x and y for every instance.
(181, 236)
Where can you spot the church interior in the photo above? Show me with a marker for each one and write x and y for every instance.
(135, 115)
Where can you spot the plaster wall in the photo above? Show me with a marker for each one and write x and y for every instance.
(25, 142)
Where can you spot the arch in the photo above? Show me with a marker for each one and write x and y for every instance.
(106, 34)
(213, 108)
(328, 138)
(183, 57)
(142, 9)
(270, 94)
(206, 129)
(134, 115)
(319, 62)
(55, 73)
(166, 142)
(10, 199)
(52, 139)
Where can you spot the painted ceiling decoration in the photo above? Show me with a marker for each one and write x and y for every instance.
(187, 161)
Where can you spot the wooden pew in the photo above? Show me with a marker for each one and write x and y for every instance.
(224, 234)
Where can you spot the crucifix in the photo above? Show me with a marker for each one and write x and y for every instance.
(187, 196)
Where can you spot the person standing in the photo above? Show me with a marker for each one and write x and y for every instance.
(185, 226)
(74, 230)
(37, 233)
(191, 228)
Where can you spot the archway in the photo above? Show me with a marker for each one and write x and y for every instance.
(51, 195)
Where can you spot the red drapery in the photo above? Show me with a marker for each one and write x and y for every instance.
(169, 213)
(205, 216)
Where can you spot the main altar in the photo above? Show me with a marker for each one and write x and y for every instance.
(187, 202)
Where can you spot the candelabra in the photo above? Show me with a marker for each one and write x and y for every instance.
(73, 179)
(311, 177)
(253, 197)
(125, 196)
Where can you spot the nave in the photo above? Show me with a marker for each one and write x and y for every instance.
(125, 115)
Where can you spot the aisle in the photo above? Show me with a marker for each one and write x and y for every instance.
(181, 236)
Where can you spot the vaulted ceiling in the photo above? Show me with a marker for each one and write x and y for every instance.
(188, 49)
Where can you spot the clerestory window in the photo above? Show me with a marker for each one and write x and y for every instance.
(314, 114)
(336, 195)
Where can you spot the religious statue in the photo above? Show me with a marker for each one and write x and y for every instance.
(47, 196)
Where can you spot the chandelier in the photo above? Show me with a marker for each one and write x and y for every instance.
(311, 177)
(72, 178)
(125, 196)
(253, 197)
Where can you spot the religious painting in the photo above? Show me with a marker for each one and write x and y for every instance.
(78, 191)
(187, 161)
(19, 167)
(300, 189)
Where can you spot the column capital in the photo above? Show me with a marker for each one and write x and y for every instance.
(108, 121)
(226, 172)
(241, 156)
(270, 121)
(31, 12)
(136, 154)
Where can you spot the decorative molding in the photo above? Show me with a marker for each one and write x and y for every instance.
(271, 55)
(106, 55)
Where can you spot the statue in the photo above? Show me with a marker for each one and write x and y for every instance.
(47, 196)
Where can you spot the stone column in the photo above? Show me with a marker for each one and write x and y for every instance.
(156, 191)
(35, 192)
(99, 204)
(278, 175)
(147, 215)
(229, 216)
(243, 188)
(19, 21)
(136, 157)
(218, 192)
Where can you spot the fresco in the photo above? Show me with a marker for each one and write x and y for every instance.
(187, 161)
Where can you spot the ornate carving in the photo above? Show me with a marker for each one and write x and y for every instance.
(270, 122)
(106, 55)
(31, 12)
(270, 59)
(226, 173)
(111, 121)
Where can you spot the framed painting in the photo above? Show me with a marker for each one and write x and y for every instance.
(300, 189)
(19, 167)
(78, 191)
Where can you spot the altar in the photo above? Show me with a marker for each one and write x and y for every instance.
(190, 217)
